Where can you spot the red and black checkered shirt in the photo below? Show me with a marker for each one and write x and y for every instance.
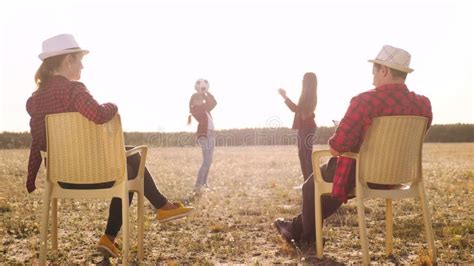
(59, 95)
(385, 100)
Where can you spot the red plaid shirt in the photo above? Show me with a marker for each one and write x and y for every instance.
(59, 95)
(200, 113)
(385, 100)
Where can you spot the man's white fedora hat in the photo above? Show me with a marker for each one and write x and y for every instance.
(395, 58)
(60, 44)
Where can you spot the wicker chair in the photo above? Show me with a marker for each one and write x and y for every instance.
(82, 152)
(390, 154)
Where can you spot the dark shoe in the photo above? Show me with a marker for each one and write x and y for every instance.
(285, 228)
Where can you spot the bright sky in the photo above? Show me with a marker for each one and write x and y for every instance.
(146, 56)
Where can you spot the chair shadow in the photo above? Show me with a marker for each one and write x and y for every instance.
(104, 262)
(313, 260)
(308, 256)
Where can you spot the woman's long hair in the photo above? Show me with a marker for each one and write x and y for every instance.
(46, 70)
(308, 98)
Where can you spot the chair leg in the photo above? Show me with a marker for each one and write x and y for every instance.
(125, 229)
(362, 232)
(140, 225)
(389, 227)
(319, 223)
(427, 221)
(44, 224)
(54, 224)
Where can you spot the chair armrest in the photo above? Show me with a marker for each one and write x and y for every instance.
(351, 155)
(143, 150)
(317, 155)
(44, 155)
(135, 150)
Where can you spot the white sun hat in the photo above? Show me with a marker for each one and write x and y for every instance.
(60, 44)
(394, 57)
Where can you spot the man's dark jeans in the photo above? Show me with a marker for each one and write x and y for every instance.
(304, 223)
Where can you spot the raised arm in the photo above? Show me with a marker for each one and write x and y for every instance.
(293, 107)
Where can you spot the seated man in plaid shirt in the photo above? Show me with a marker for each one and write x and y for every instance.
(390, 97)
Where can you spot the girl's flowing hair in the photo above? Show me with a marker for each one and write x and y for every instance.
(190, 119)
(308, 98)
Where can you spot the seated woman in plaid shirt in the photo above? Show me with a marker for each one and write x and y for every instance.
(389, 97)
(59, 91)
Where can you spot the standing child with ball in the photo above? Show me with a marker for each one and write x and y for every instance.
(200, 106)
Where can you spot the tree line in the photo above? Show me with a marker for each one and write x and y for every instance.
(246, 137)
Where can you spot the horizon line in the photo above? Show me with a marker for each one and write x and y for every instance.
(223, 129)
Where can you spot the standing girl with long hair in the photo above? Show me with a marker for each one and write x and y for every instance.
(304, 121)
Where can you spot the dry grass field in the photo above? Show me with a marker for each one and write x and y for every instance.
(233, 223)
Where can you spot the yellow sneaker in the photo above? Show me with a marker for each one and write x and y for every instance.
(107, 248)
(168, 215)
